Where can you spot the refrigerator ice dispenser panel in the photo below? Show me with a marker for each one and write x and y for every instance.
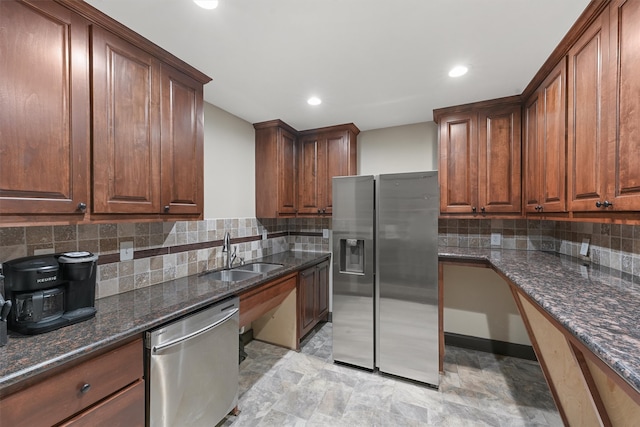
(352, 256)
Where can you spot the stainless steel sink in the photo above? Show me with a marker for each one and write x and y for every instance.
(258, 267)
(234, 275)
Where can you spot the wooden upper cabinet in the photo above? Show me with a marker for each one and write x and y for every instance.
(458, 163)
(545, 145)
(324, 154)
(587, 112)
(44, 119)
(623, 187)
(294, 170)
(182, 140)
(499, 182)
(126, 126)
(148, 125)
(479, 166)
(276, 178)
(531, 155)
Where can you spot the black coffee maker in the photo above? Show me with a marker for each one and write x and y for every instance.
(48, 292)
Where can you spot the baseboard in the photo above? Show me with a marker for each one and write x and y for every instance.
(490, 346)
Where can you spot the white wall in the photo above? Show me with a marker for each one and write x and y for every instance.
(478, 303)
(229, 165)
(408, 148)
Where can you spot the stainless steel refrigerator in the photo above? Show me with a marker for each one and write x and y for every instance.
(385, 273)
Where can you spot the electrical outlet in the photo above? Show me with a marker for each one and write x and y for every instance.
(126, 251)
(496, 239)
(325, 233)
(264, 235)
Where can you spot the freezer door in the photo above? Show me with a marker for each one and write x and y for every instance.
(353, 270)
(407, 275)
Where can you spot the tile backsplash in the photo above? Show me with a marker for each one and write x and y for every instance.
(164, 250)
(169, 250)
(611, 245)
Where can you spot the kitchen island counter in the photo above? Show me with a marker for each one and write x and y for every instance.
(122, 316)
(599, 306)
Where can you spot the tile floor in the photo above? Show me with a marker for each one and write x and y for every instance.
(279, 387)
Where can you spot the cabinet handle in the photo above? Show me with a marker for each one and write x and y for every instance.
(319, 210)
(604, 204)
(473, 208)
(324, 211)
(482, 209)
(85, 388)
(82, 206)
(166, 208)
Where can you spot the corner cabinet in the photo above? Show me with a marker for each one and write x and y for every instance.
(479, 166)
(45, 122)
(119, 132)
(276, 189)
(544, 145)
(313, 297)
(294, 170)
(324, 154)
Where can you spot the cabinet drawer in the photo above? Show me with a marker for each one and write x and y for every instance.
(125, 408)
(60, 396)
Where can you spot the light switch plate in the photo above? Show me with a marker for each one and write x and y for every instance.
(126, 251)
(325, 233)
(496, 239)
(584, 247)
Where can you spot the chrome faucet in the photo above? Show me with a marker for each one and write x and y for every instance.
(226, 248)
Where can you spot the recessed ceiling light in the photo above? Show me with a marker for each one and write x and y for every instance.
(314, 100)
(207, 4)
(458, 70)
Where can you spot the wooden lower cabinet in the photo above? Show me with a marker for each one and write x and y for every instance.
(105, 390)
(313, 297)
(586, 391)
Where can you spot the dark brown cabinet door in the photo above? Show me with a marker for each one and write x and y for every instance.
(336, 164)
(309, 179)
(182, 122)
(458, 163)
(276, 170)
(545, 145)
(307, 300)
(44, 105)
(126, 126)
(322, 309)
(499, 146)
(287, 185)
(586, 126)
(531, 157)
(551, 134)
(623, 186)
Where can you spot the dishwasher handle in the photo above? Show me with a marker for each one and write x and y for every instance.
(161, 347)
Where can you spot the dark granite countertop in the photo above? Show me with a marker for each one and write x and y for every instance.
(598, 305)
(125, 315)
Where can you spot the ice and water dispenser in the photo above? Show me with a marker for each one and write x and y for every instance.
(352, 256)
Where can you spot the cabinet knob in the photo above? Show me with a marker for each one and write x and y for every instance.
(319, 210)
(324, 211)
(482, 209)
(166, 208)
(82, 206)
(606, 204)
(85, 388)
(473, 208)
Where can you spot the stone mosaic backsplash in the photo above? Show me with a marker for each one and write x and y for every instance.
(611, 245)
(164, 250)
(169, 250)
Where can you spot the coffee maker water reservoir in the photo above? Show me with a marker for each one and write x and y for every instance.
(50, 291)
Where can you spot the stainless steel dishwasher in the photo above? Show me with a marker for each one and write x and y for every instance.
(192, 368)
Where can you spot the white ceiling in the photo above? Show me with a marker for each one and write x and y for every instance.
(374, 63)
